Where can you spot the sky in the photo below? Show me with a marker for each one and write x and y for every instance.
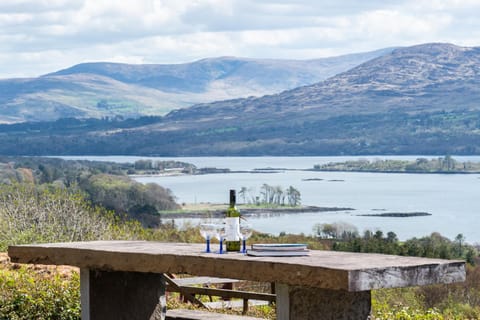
(42, 36)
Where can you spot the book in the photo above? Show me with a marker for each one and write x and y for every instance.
(278, 253)
(279, 246)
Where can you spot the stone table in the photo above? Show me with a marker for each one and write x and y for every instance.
(123, 279)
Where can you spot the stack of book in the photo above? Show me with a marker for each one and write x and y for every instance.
(278, 250)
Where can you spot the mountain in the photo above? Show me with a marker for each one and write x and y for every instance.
(415, 100)
(113, 89)
(423, 78)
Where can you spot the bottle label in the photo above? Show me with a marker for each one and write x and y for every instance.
(232, 229)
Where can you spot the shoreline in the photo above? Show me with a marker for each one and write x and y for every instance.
(263, 171)
(218, 211)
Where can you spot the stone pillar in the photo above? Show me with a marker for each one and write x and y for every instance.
(119, 295)
(306, 303)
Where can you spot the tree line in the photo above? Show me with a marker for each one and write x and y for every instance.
(271, 195)
(345, 237)
(446, 164)
(432, 133)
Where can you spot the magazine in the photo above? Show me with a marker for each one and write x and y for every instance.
(276, 253)
(279, 246)
(278, 250)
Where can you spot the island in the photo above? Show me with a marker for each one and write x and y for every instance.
(397, 214)
(440, 165)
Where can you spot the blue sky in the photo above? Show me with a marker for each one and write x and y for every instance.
(41, 36)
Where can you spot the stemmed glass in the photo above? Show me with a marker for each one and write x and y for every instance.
(245, 232)
(208, 230)
(220, 235)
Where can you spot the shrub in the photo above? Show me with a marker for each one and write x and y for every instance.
(26, 294)
(31, 215)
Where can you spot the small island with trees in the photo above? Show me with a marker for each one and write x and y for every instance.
(267, 201)
(445, 164)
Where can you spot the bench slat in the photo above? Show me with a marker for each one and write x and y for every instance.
(226, 293)
(184, 314)
(203, 280)
(174, 287)
(233, 304)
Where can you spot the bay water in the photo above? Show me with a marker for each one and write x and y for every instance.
(452, 199)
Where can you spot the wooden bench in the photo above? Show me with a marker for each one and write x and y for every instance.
(184, 314)
(186, 287)
(204, 281)
(124, 279)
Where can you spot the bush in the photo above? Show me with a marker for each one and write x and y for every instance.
(50, 214)
(26, 294)
(126, 196)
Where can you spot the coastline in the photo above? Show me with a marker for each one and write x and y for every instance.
(263, 171)
(395, 171)
(218, 211)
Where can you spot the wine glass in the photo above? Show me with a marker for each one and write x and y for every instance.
(208, 230)
(220, 232)
(245, 232)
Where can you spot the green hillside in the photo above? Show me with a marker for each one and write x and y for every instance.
(124, 90)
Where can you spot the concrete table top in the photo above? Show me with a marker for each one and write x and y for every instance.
(321, 269)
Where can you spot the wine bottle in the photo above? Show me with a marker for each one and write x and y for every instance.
(232, 225)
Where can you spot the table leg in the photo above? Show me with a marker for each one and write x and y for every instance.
(295, 303)
(122, 295)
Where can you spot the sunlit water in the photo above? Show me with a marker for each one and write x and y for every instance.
(453, 200)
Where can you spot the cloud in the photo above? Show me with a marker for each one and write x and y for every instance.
(41, 36)
(38, 6)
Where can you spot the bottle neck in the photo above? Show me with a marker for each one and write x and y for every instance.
(232, 199)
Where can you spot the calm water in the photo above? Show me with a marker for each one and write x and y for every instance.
(453, 200)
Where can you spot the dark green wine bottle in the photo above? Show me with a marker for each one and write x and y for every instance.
(232, 225)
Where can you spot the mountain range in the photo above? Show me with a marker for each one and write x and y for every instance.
(428, 77)
(112, 89)
(414, 100)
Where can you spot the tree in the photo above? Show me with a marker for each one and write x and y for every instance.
(324, 230)
(126, 196)
(265, 193)
(278, 195)
(378, 235)
(293, 196)
(243, 193)
(337, 230)
(459, 240)
(392, 237)
(143, 164)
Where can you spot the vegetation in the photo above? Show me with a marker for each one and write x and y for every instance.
(445, 164)
(104, 184)
(125, 196)
(394, 132)
(454, 301)
(26, 293)
(438, 302)
(68, 172)
(345, 237)
(51, 212)
(271, 195)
